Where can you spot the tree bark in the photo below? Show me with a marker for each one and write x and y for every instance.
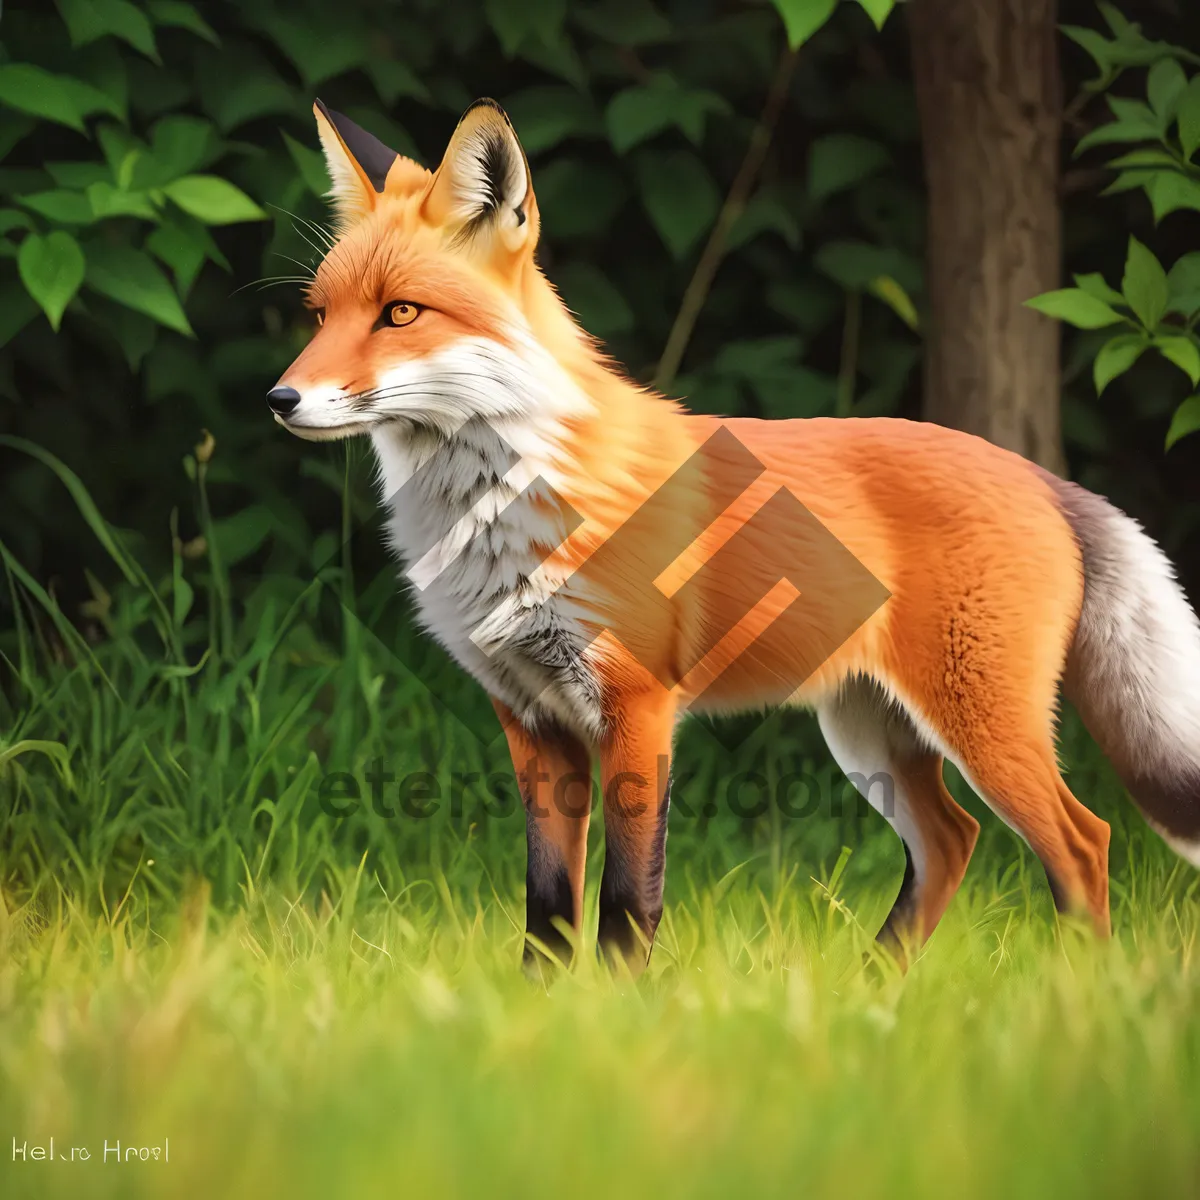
(990, 101)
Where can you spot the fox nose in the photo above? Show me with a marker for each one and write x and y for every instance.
(283, 399)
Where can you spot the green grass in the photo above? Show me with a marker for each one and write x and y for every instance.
(192, 950)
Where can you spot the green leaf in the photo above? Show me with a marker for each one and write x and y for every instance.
(1136, 122)
(885, 288)
(1170, 191)
(1098, 46)
(1182, 350)
(1117, 131)
(13, 129)
(77, 175)
(556, 56)
(680, 197)
(1144, 285)
(311, 165)
(545, 116)
(184, 245)
(320, 48)
(710, 393)
(179, 144)
(857, 265)
(771, 368)
(1189, 118)
(1116, 356)
(71, 208)
(51, 268)
(516, 21)
(624, 22)
(179, 15)
(802, 18)
(121, 150)
(213, 200)
(11, 218)
(88, 99)
(588, 292)
(393, 79)
(1095, 285)
(130, 277)
(767, 212)
(1136, 112)
(1165, 84)
(240, 535)
(840, 160)
(32, 90)
(237, 86)
(108, 201)
(1129, 47)
(1128, 180)
(87, 20)
(578, 197)
(641, 112)
(809, 303)
(797, 392)
(878, 10)
(1183, 285)
(1076, 307)
(1148, 156)
(1186, 420)
(750, 357)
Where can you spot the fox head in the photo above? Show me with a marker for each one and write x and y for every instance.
(430, 307)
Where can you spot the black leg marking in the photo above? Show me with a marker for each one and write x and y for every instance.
(1058, 894)
(547, 895)
(899, 920)
(632, 886)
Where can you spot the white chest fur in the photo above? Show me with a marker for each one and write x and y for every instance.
(471, 518)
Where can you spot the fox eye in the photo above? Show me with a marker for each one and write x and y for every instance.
(401, 312)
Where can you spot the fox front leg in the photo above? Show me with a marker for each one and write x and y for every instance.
(635, 778)
(554, 772)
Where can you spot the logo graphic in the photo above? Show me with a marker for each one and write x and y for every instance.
(790, 592)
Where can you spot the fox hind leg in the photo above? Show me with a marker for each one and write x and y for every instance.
(1020, 782)
(884, 756)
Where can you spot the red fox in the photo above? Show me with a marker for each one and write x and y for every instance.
(511, 452)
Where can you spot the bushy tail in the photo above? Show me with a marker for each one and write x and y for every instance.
(1134, 668)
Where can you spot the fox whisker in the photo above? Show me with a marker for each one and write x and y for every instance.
(271, 281)
(312, 274)
(319, 250)
(320, 231)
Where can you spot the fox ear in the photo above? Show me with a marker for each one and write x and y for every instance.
(482, 190)
(358, 164)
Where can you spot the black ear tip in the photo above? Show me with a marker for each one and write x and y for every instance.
(486, 102)
(367, 150)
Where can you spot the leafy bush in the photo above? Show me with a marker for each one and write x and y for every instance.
(159, 174)
(1159, 310)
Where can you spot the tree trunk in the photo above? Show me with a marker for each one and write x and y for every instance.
(989, 95)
